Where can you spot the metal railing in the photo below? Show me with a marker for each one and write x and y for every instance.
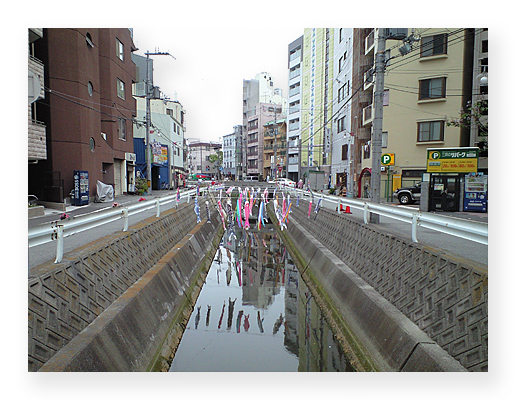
(59, 230)
(466, 229)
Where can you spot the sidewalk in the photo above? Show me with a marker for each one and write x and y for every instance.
(54, 214)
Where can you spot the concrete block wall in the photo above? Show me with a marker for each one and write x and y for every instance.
(447, 298)
(139, 331)
(65, 298)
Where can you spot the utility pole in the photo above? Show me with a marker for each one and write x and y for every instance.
(375, 185)
(148, 88)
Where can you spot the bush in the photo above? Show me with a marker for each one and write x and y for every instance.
(141, 186)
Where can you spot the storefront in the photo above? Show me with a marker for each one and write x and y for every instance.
(454, 180)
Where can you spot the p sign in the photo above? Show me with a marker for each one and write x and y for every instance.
(388, 159)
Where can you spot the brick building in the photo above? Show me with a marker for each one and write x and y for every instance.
(88, 110)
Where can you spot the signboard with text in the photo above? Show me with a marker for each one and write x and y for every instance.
(452, 160)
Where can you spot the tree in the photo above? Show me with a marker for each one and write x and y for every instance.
(217, 160)
(475, 113)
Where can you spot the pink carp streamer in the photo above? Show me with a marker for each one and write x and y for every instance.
(247, 215)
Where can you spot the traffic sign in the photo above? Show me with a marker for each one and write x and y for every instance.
(388, 159)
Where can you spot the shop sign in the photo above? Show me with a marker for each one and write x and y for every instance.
(452, 160)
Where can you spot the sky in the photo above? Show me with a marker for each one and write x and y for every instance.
(210, 62)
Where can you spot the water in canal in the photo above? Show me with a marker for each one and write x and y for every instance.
(255, 314)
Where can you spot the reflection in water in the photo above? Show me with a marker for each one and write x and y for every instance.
(289, 333)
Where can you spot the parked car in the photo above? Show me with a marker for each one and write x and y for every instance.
(408, 195)
(283, 182)
(251, 178)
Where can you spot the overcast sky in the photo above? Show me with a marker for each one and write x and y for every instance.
(211, 60)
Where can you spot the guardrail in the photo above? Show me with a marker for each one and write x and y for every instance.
(466, 229)
(58, 230)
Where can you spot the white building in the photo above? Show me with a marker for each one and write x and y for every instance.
(294, 111)
(233, 152)
(168, 129)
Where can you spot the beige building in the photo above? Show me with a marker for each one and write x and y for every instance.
(424, 88)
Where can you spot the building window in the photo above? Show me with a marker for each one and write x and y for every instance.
(344, 152)
(341, 124)
(341, 94)
(122, 129)
(121, 91)
(430, 131)
(92, 144)
(432, 89)
(120, 50)
(433, 45)
(90, 88)
(384, 139)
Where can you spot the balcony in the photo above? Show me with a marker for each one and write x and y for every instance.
(365, 97)
(364, 133)
(368, 115)
(369, 79)
(37, 141)
(369, 43)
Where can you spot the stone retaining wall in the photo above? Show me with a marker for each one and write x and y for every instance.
(446, 298)
(65, 298)
(142, 328)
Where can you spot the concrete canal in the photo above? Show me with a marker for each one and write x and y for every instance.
(255, 313)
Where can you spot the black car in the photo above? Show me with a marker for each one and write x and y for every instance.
(408, 195)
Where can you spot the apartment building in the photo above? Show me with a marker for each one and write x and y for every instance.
(258, 95)
(199, 153)
(479, 131)
(425, 86)
(294, 114)
(265, 112)
(233, 153)
(88, 110)
(275, 149)
(316, 99)
(343, 134)
(37, 147)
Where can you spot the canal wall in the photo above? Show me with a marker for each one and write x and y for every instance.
(399, 305)
(92, 288)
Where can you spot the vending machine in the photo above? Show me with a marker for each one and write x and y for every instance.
(476, 193)
(81, 192)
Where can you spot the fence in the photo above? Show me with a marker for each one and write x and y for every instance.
(58, 230)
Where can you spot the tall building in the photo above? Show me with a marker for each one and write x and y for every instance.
(264, 113)
(363, 56)
(275, 149)
(260, 90)
(343, 135)
(88, 110)
(317, 99)
(294, 113)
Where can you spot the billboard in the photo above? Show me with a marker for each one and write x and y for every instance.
(452, 160)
